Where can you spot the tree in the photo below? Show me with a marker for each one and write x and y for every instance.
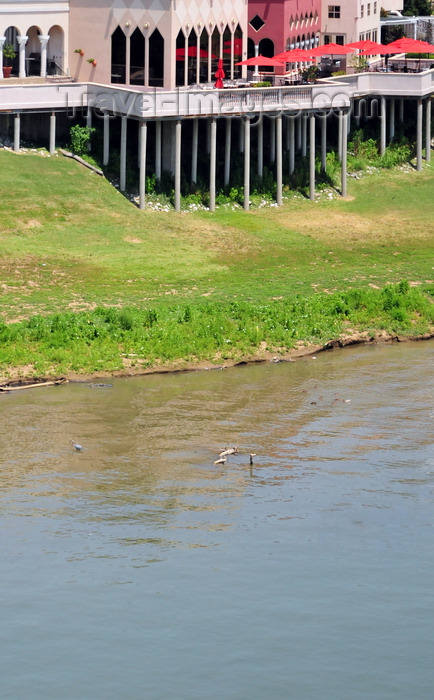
(417, 8)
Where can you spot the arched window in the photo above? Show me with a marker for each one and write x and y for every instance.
(156, 59)
(137, 58)
(266, 48)
(250, 48)
(119, 56)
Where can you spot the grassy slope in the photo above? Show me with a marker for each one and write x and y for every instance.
(69, 241)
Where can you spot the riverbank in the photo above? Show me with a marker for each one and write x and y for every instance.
(103, 289)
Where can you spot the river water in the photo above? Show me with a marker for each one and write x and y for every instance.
(136, 568)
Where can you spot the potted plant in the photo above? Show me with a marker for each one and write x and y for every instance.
(92, 61)
(9, 54)
(79, 51)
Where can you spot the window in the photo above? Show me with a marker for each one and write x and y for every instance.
(257, 23)
(327, 39)
(368, 7)
(334, 11)
(374, 35)
(362, 11)
(340, 39)
(375, 8)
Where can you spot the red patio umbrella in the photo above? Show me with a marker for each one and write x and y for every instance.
(260, 61)
(219, 74)
(330, 50)
(238, 46)
(364, 45)
(407, 45)
(191, 53)
(294, 56)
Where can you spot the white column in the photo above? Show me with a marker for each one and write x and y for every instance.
(158, 149)
(2, 43)
(291, 145)
(186, 60)
(246, 125)
(279, 156)
(212, 163)
(178, 165)
(419, 135)
(312, 157)
(344, 157)
(261, 145)
(194, 150)
(142, 164)
(17, 132)
(392, 119)
(106, 139)
(303, 136)
(428, 130)
(323, 142)
(89, 123)
(198, 59)
(52, 147)
(123, 155)
(272, 141)
(340, 135)
(241, 144)
(383, 126)
(146, 81)
(22, 41)
(44, 41)
(298, 139)
(228, 136)
(209, 55)
(232, 55)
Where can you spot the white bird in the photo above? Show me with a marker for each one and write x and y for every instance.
(222, 460)
(76, 445)
(228, 451)
(253, 454)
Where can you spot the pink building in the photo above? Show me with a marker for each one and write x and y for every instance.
(278, 25)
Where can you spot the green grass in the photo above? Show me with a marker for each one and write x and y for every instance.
(69, 242)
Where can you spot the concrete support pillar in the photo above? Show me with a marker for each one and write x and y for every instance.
(428, 130)
(17, 128)
(312, 157)
(89, 124)
(212, 163)
(143, 132)
(106, 139)
(298, 134)
(344, 156)
(279, 159)
(356, 108)
(287, 135)
(52, 146)
(419, 135)
(246, 163)
(291, 145)
(324, 142)
(123, 155)
(2, 43)
(401, 110)
(208, 136)
(228, 138)
(340, 135)
(158, 149)
(22, 41)
(241, 139)
(272, 141)
(43, 39)
(383, 120)
(304, 136)
(261, 146)
(194, 143)
(178, 165)
(392, 119)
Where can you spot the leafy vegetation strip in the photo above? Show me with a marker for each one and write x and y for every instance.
(109, 339)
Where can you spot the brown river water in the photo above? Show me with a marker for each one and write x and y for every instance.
(137, 568)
